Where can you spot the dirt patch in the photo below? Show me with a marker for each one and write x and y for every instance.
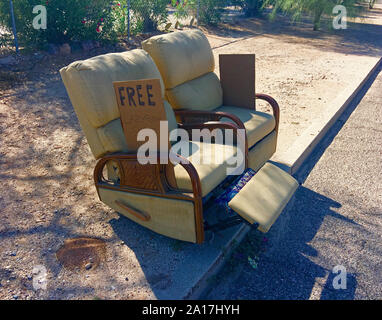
(82, 253)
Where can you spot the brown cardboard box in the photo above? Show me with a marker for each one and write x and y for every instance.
(237, 76)
(141, 106)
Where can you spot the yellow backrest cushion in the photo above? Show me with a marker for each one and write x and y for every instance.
(112, 138)
(186, 63)
(203, 93)
(181, 56)
(89, 84)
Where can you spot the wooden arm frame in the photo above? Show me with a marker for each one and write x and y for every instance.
(195, 119)
(275, 107)
(196, 116)
(151, 180)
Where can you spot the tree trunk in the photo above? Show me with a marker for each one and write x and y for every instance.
(149, 25)
(253, 8)
(317, 18)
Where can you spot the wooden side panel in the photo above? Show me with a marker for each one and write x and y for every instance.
(140, 176)
(169, 217)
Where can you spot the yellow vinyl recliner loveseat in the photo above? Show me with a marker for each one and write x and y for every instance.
(186, 63)
(168, 199)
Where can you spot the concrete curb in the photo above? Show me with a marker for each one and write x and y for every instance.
(202, 284)
(289, 161)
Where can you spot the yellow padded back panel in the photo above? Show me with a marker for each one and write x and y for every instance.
(90, 82)
(203, 93)
(181, 56)
(112, 138)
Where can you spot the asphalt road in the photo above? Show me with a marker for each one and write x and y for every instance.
(335, 220)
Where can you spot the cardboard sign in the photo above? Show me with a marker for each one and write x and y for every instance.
(237, 76)
(141, 106)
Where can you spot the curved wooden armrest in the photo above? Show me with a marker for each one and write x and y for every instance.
(152, 180)
(212, 125)
(275, 106)
(145, 177)
(196, 116)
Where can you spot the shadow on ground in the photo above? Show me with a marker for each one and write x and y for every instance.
(171, 267)
(358, 39)
(284, 268)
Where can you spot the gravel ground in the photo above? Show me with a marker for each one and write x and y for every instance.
(47, 194)
(336, 219)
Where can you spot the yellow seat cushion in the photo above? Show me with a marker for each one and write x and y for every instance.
(210, 174)
(257, 124)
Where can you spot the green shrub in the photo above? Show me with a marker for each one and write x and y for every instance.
(314, 8)
(148, 14)
(184, 8)
(67, 21)
(5, 40)
(210, 11)
(251, 8)
(119, 16)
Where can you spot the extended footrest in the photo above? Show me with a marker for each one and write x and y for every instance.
(257, 198)
(265, 196)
